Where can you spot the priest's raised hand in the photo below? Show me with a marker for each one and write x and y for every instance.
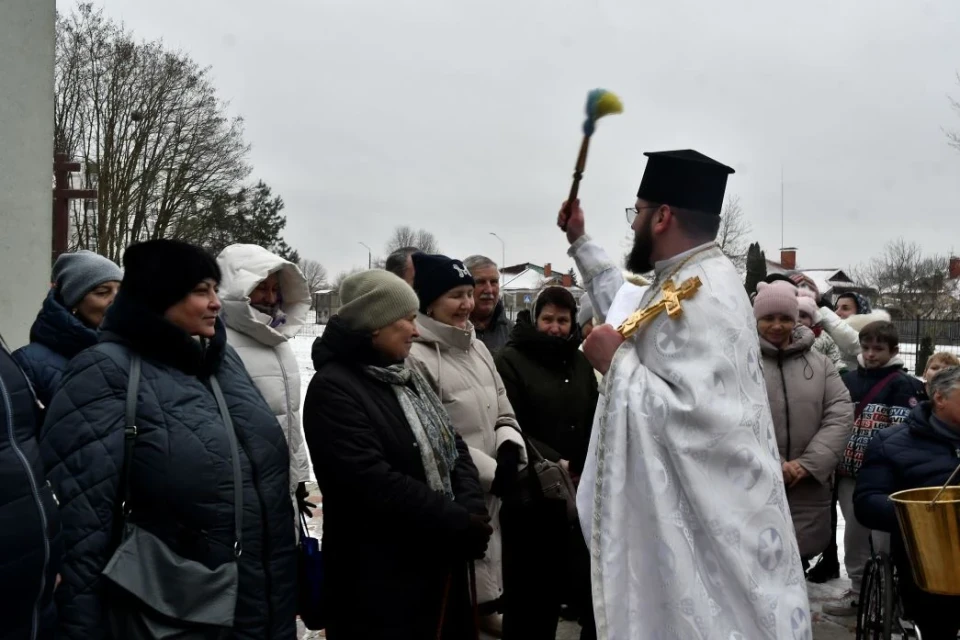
(601, 345)
(571, 220)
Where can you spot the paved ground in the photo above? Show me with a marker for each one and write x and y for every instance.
(824, 627)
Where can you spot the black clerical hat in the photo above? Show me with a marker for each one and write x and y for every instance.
(686, 179)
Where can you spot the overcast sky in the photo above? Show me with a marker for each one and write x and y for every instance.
(462, 116)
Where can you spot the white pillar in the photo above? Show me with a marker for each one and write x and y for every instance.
(26, 161)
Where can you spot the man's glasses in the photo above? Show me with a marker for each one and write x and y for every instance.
(633, 212)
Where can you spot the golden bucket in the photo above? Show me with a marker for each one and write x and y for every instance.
(931, 535)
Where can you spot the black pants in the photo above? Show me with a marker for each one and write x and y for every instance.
(831, 550)
(534, 568)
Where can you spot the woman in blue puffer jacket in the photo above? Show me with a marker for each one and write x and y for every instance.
(84, 285)
(181, 474)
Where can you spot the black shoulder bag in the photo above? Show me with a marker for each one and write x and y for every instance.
(156, 593)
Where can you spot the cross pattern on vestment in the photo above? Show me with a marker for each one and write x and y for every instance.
(669, 302)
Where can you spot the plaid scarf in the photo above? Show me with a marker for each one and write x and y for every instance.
(428, 420)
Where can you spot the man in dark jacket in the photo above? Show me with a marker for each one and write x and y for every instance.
(922, 453)
(30, 547)
(489, 317)
(884, 395)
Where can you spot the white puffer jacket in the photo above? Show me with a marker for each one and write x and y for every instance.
(265, 350)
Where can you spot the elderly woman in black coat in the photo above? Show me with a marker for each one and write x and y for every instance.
(183, 463)
(403, 509)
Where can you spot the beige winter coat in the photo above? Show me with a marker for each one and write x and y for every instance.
(813, 418)
(461, 370)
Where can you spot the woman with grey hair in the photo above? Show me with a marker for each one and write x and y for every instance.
(923, 452)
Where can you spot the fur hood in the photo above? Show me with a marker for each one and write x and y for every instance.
(859, 321)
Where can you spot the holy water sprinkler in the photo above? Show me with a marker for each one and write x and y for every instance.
(600, 102)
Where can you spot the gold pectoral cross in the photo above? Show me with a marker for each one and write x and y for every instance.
(670, 302)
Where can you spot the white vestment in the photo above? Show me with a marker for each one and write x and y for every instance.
(682, 499)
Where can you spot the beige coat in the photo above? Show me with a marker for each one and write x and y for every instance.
(461, 370)
(813, 418)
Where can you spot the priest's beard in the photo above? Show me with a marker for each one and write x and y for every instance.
(639, 259)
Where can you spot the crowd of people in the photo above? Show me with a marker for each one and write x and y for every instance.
(155, 459)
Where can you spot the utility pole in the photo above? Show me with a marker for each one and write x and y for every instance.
(369, 255)
(781, 205)
(503, 250)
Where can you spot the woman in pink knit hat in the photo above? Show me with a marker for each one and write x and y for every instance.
(811, 408)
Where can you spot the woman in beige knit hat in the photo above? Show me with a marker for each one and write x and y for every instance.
(403, 509)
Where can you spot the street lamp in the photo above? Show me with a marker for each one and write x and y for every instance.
(369, 255)
(503, 250)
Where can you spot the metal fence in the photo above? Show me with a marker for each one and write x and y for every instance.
(920, 337)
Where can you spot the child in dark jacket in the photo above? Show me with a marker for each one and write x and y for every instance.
(884, 395)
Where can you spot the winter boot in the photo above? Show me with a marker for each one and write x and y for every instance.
(826, 569)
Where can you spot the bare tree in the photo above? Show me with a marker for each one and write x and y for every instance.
(315, 273)
(733, 238)
(338, 281)
(953, 136)
(157, 141)
(910, 281)
(405, 236)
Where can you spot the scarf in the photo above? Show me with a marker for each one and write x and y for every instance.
(428, 420)
(277, 317)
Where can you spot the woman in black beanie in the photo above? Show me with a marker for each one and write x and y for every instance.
(461, 371)
(181, 475)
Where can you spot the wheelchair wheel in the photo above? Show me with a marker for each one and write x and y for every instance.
(876, 610)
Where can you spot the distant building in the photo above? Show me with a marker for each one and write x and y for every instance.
(520, 284)
(830, 281)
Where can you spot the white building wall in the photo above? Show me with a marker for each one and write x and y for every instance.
(26, 161)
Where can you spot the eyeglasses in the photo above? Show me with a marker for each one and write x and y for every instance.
(633, 212)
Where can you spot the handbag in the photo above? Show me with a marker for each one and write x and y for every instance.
(310, 580)
(154, 593)
(546, 480)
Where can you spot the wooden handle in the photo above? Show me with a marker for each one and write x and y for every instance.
(443, 604)
(944, 487)
(578, 174)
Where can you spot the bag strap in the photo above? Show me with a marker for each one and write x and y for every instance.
(873, 393)
(121, 506)
(235, 456)
(130, 432)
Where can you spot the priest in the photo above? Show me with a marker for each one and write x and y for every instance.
(682, 500)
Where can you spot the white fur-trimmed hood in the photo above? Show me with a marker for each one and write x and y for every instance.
(859, 321)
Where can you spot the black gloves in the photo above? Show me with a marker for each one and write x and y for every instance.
(476, 537)
(304, 506)
(508, 469)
